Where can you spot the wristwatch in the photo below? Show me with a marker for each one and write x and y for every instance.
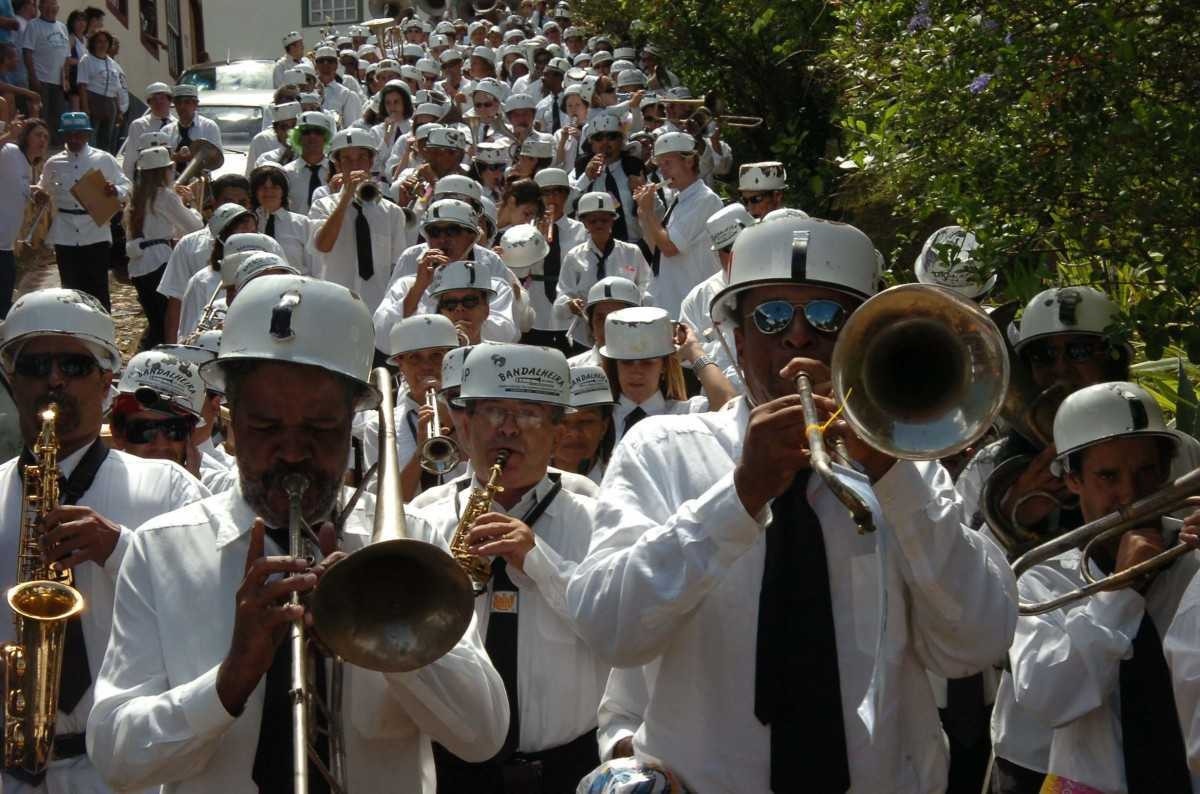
(701, 361)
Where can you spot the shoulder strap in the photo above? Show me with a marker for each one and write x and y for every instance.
(81, 479)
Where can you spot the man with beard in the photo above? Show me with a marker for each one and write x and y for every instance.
(157, 409)
(58, 348)
(203, 705)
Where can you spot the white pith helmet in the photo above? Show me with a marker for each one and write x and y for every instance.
(762, 176)
(240, 247)
(595, 201)
(522, 246)
(1066, 310)
(160, 380)
(638, 332)
(614, 288)
(590, 387)
(960, 273)
(457, 184)
(461, 275)
(1105, 411)
(258, 264)
(60, 312)
(516, 372)
(726, 224)
(422, 332)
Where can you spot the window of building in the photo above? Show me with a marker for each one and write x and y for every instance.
(318, 13)
(120, 10)
(174, 39)
(149, 26)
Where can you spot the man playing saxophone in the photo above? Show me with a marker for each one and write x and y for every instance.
(193, 694)
(58, 348)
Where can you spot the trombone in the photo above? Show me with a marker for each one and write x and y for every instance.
(439, 453)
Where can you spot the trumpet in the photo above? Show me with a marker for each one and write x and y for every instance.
(439, 453)
(367, 192)
(702, 117)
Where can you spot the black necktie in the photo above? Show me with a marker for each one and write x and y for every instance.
(602, 258)
(272, 770)
(501, 646)
(657, 255)
(362, 242)
(269, 231)
(1155, 759)
(966, 712)
(551, 267)
(797, 686)
(185, 137)
(555, 114)
(620, 228)
(634, 416)
(314, 180)
(163, 122)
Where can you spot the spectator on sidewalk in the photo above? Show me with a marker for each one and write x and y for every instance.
(46, 45)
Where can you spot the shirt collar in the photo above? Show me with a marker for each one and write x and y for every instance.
(656, 404)
(66, 466)
(531, 498)
(690, 190)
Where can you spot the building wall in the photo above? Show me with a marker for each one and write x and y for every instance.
(228, 34)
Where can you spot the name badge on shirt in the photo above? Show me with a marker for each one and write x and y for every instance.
(504, 601)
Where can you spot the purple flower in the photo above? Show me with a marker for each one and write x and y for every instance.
(990, 25)
(979, 83)
(1008, 38)
(920, 20)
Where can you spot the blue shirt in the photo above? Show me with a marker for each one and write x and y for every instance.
(6, 10)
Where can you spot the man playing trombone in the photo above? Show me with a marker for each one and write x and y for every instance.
(193, 694)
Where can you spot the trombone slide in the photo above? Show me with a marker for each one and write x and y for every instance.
(821, 463)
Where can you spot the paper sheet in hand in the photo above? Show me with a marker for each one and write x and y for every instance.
(90, 192)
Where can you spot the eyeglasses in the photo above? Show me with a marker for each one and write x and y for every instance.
(71, 365)
(432, 232)
(776, 316)
(447, 305)
(143, 431)
(1045, 353)
(485, 104)
(607, 136)
(756, 200)
(525, 418)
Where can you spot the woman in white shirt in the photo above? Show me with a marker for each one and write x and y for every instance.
(20, 167)
(395, 109)
(158, 215)
(99, 80)
(576, 105)
(269, 200)
(586, 436)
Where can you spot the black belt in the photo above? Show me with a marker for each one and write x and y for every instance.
(72, 212)
(144, 244)
(68, 745)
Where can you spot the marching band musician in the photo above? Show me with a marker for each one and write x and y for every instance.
(81, 246)
(157, 408)
(157, 116)
(210, 291)
(215, 462)
(536, 532)
(189, 125)
(310, 170)
(273, 145)
(761, 186)
(59, 347)
(679, 550)
(269, 188)
(1094, 669)
(587, 438)
(606, 296)
(335, 97)
(203, 706)
(293, 56)
(608, 169)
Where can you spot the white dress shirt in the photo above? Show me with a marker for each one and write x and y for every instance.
(694, 312)
(543, 116)
(500, 326)
(570, 234)
(298, 177)
(99, 76)
(158, 719)
(59, 175)
(50, 44)
(292, 231)
(559, 679)
(655, 405)
(674, 571)
(389, 238)
(132, 145)
(482, 257)
(128, 491)
(166, 219)
(1182, 651)
(580, 271)
(1066, 663)
(343, 101)
(17, 174)
(202, 128)
(263, 142)
(588, 358)
(695, 262)
(575, 483)
(624, 705)
(196, 297)
(390, 133)
(582, 183)
(282, 65)
(189, 256)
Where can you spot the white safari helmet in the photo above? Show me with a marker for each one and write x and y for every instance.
(422, 332)
(638, 332)
(240, 247)
(614, 288)
(289, 319)
(461, 275)
(452, 367)
(161, 381)
(194, 353)
(726, 224)
(152, 138)
(153, 157)
(516, 372)
(1103, 412)
(960, 273)
(590, 387)
(674, 143)
(549, 178)
(354, 138)
(452, 211)
(596, 201)
(260, 263)
(60, 312)
(1066, 310)
(539, 147)
(522, 246)
(808, 251)
(783, 213)
(457, 185)
(762, 176)
(223, 216)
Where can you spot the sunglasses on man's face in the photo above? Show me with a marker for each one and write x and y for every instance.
(776, 316)
(437, 232)
(756, 200)
(1046, 354)
(447, 305)
(39, 365)
(607, 136)
(492, 166)
(144, 431)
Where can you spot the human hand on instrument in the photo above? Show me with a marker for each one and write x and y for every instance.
(73, 534)
(350, 184)
(1189, 533)
(687, 344)
(1037, 476)
(261, 617)
(623, 748)
(183, 155)
(110, 189)
(500, 535)
(185, 194)
(635, 101)
(595, 166)
(1137, 546)
(646, 196)
(577, 307)
(38, 195)
(427, 265)
(571, 131)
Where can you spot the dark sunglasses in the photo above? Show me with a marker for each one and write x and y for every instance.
(492, 166)
(143, 431)
(450, 304)
(755, 200)
(311, 131)
(607, 136)
(776, 316)
(442, 231)
(1043, 354)
(38, 365)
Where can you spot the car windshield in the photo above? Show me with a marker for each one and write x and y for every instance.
(237, 76)
(239, 123)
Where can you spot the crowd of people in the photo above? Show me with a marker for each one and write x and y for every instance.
(596, 358)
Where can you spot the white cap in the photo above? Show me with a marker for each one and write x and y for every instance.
(185, 91)
(223, 216)
(516, 372)
(451, 211)
(549, 178)
(446, 138)
(614, 288)
(256, 264)
(519, 102)
(638, 332)
(408, 72)
(152, 138)
(316, 118)
(631, 77)
(493, 153)
(558, 65)
(157, 88)
(726, 224)
(603, 56)
(286, 111)
(459, 185)
(307, 69)
(627, 53)
(450, 55)
(422, 332)
(485, 53)
(438, 40)
(160, 379)
(428, 109)
(822, 253)
(354, 138)
(784, 213)
(292, 37)
(429, 66)
(240, 247)
(324, 52)
(388, 65)
(412, 51)
(619, 66)
(522, 246)
(288, 319)
(193, 353)
(55, 311)
(1103, 412)
(1066, 310)
(595, 201)
(492, 87)
(674, 142)
(461, 275)
(590, 387)
(572, 32)
(539, 147)
(961, 273)
(294, 77)
(452, 366)
(604, 122)
(153, 157)
(762, 176)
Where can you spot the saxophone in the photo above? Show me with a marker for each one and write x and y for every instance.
(42, 601)
(479, 569)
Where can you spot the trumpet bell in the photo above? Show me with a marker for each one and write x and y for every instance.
(920, 371)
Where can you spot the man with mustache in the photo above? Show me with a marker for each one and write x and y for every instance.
(202, 705)
(59, 348)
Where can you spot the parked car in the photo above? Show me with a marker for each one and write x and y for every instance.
(231, 76)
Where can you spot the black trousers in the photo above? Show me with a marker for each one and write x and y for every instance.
(85, 267)
(554, 771)
(1010, 778)
(103, 112)
(154, 305)
(8, 281)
